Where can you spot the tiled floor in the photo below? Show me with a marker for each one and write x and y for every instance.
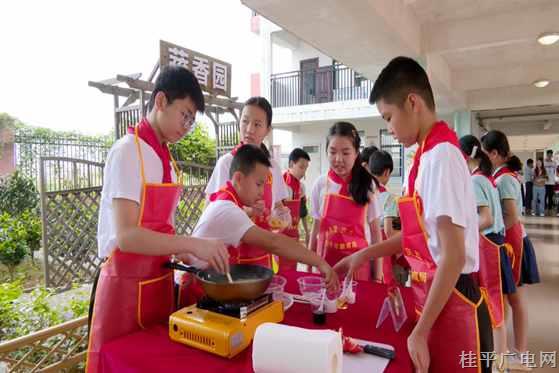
(543, 298)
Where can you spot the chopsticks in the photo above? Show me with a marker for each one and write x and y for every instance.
(229, 278)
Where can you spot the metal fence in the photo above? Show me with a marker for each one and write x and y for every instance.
(29, 148)
(312, 86)
(389, 144)
(126, 117)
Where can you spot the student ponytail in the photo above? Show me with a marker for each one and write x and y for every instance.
(361, 179)
(471, 147)
(514, 164)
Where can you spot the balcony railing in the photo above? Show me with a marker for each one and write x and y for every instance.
(314, 86)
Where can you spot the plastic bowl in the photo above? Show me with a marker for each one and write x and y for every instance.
(286, 300)
(310, 285)
(277, 284)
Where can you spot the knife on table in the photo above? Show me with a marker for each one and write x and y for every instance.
(379, 351)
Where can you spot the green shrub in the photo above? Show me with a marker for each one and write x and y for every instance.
(33, 229)
(197, 147)
(17, 194)
(13, 242)
(24, 313)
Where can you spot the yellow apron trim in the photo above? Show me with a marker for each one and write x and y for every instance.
(140, 284)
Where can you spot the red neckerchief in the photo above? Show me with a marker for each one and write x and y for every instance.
(381, 188)
(491, 179)
(505, 170)
(344, 190)
(226, 193)
(147, 133)
(293, 183)
(236, 148)
(439, 133)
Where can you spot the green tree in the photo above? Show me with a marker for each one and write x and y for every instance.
(17, 194)
(13, 242)
(197, 147)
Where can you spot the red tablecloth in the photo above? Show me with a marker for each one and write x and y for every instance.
(152, 351)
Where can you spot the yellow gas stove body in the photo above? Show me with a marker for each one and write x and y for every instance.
(220, 334)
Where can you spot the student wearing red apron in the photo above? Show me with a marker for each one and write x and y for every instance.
(298, 164)
(249, 170)
(394, 268)
(136, 233)
(255, 125)
(439, 237)
(365, 155)
(344, 207)
(495, 273)
(524, 266)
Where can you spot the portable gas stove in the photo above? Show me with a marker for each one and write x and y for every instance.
(223, 329)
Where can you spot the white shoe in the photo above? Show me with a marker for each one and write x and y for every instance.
(514, 363)
(542, 215)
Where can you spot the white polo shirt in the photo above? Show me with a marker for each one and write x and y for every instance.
(225, 221)
(318, 193)
(445, 186)
(302, 191)
(220, 176)
(122, 179)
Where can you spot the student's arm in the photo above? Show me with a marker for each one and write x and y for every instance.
(374, 227)
(388, 230)
(509, 212)
(485, 217)
(453, 258)
(351, 263)
(314, 235)
(306, 228)
(286, 247)
(135, 239)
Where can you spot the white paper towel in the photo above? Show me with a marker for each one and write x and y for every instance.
(281, 348)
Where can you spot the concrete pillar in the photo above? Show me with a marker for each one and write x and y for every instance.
(463, 123)
(7, 151)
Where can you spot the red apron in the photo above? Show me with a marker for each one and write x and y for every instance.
(135, 291)
(455, 331)
(514, 236)
(490, 283)
(251, 254)
(294, 206)
(341, 231)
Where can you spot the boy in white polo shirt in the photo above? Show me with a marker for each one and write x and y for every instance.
(225, 219)
(439, 237)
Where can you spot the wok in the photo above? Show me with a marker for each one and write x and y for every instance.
(249, 281)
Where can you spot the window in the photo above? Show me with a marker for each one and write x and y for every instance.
(311, 149)
(389, 144)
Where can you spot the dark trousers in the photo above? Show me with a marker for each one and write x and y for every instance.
(529, 188)
(470, 289)
(549, 191)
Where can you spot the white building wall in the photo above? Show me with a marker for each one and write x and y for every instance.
(288, 52)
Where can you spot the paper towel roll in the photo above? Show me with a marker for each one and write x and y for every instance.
(281, 348)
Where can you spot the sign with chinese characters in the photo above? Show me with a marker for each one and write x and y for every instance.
(213, 75)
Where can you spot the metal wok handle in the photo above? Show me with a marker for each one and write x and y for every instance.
(183, 267)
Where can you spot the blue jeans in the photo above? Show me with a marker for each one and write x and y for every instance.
(538, 204)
